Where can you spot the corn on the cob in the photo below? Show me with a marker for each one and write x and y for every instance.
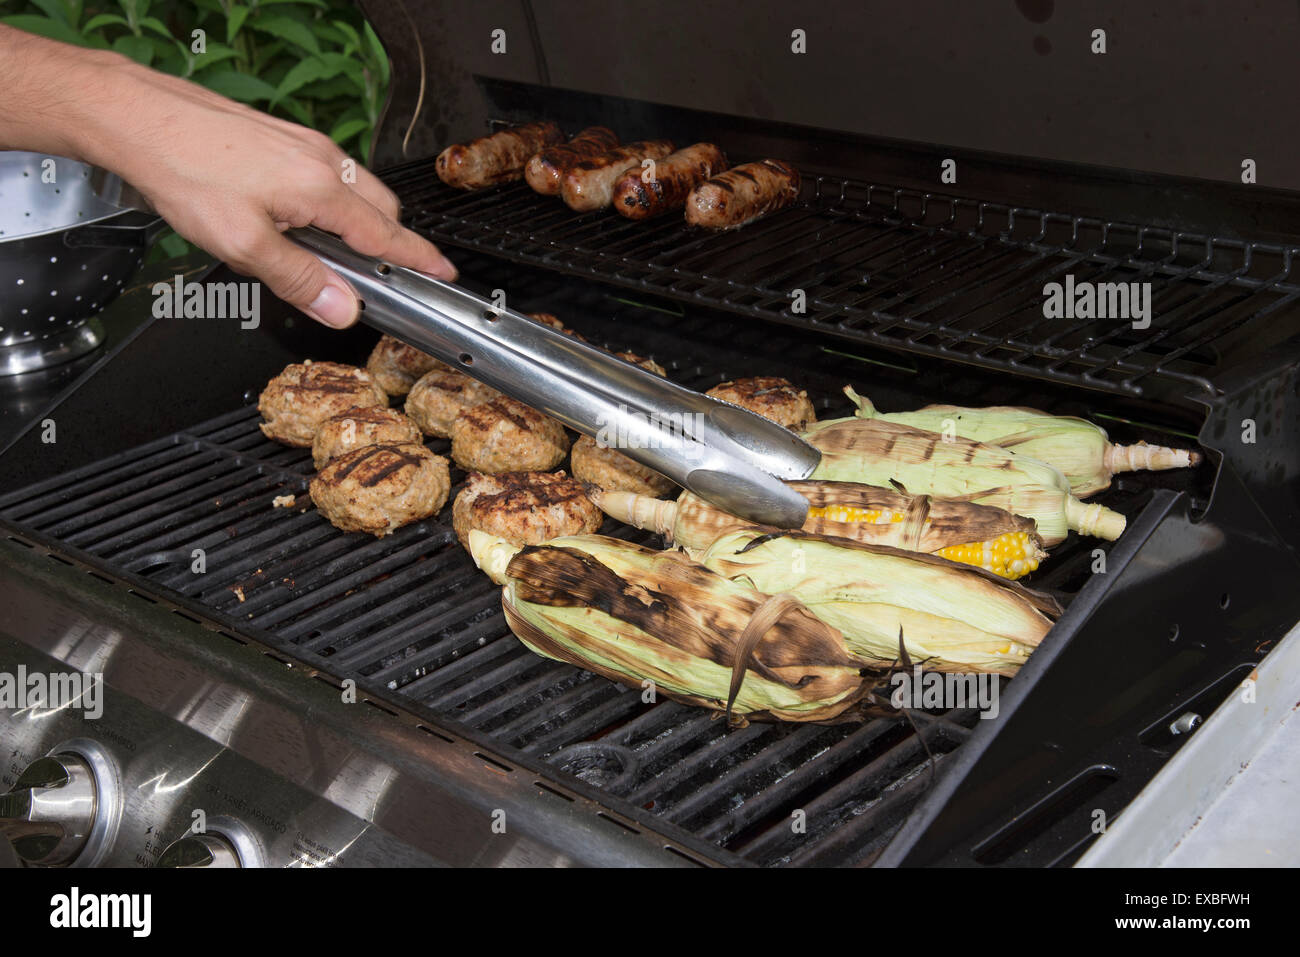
(953, 617)
(1080, 450)
(990, 538)
(631, 613)
(878, 452)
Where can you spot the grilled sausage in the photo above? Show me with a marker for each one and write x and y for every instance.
(498, 158)
(743, 194)
(674, 178)
(545, 171)
(590, 183)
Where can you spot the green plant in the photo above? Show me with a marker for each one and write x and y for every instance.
(316, 62)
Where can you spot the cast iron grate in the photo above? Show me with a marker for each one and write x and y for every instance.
(915, 272)
(409, 616)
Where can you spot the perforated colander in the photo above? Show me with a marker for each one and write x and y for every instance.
(69, 241)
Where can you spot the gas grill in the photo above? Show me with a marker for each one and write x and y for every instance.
(912, 292)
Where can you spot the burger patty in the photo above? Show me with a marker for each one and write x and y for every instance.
(380, 488)
(357, 428)
(771, 397)
(507, 436)
(438, 399)
(615, 472)
(299, 399)
(397, 366)
(526, 508)
(643, 362)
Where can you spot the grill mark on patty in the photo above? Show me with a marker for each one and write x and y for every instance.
(374, 414)
(479, 416)
(522, 490)
(360, 456)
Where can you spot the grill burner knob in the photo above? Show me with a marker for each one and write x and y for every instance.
(200, 850)
(50, 812)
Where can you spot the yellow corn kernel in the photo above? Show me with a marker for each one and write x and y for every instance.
(1009, 555)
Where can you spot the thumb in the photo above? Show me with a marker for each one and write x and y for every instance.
(302, 280)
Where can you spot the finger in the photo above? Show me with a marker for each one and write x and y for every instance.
(373, 191)
(371, 233)
(299, 278)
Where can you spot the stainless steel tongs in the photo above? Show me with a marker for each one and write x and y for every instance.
(723, 453)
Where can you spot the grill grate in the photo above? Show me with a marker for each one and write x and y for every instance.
(918, 272)
(408, 616)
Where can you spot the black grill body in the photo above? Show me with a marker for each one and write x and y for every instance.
(916, 293)
(412, 622)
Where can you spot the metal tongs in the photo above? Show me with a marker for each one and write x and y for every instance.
(725, 454)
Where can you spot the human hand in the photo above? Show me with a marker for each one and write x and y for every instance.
(225, 176)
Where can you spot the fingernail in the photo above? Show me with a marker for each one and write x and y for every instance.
(334, 307)
(446, 270)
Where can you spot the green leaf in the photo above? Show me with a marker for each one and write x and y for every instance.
(377, 50)
(56, 10)
(95, 22)
(302, 74)
(315, 3)
(349, 31)
(215, 54)
(238, 86)
(264, 56)
(238, 14)
(173, 245)
(138, 49)
(287, 29)
(132, 10)
(341, 87)
(45, 27)
(326, 34)
(168, 56)
(298, 111)
(348, 129)
(157, 26)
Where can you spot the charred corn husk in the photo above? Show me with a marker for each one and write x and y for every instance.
(980, 535)
(953, 617)
(631, 613)
(882, 453)
(1081, 451)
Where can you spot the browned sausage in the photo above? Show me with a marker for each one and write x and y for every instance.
(674, 178)
(545, 171)
(498, 158)
(743, 194)
(590, 183)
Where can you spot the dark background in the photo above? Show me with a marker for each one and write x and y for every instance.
(1186, 87)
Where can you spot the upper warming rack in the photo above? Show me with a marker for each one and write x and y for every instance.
(916, 272)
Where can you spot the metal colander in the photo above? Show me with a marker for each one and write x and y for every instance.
(69, 240)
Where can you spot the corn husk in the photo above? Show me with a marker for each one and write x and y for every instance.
(920, 524)
(631, 613)
(1080, 450)
(882, 453)
(953, 617)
